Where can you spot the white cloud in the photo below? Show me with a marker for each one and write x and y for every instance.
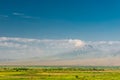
(48, 42)
(35, 47)
(77, 43)
(64, 49)
(18, 39)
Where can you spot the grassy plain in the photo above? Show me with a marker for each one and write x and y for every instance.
(59, 73)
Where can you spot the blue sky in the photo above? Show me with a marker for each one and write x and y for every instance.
(60, 19)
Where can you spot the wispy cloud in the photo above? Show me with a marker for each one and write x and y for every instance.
(22, 15)
(30, 17)
(18, 14)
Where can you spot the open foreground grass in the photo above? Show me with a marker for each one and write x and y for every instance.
(59, 73)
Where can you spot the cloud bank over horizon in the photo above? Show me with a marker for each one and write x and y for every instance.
(27, 48)
(64, 51)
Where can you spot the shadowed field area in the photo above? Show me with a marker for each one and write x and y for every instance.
(59, 73)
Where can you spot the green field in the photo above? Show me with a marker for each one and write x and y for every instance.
(59, 73)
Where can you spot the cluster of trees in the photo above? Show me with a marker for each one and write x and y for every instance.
(21, 69)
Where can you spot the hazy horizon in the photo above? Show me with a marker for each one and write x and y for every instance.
(58, 52)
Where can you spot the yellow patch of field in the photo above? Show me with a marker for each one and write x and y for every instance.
(10, 73)
(53, 73)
